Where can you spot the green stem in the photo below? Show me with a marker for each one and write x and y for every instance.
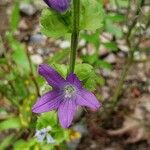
(124, 73)
(121, 81)
(75, 34)
(32, 73)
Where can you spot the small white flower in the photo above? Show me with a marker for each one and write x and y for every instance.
(49, 139)
(40, 135)
(43, 134)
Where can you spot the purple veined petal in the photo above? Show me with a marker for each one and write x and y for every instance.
(88, 99)
(49, 101)
(52, 77)
(66, 112)
(58, 5)
(73, 79)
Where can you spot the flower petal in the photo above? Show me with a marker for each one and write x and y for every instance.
(52, 77)
(50, 139)
(49, 101)
(58, 5)
(88, 99)
(40, 138)
(73, 79)
(66, 112)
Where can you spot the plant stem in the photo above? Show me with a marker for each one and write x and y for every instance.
(121, 81)
(129, 59)
(75, 34)
(32, 73)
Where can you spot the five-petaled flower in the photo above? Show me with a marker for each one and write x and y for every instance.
(65, 97)
(58, 5)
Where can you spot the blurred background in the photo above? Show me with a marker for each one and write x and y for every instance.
(120, 55)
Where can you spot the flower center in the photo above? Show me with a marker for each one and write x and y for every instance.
(69, 91)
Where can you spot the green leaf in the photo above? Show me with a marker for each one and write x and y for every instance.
(54, 24)
(91, 82)
(100, 80)
(62, 69)
(91, 59)
(122, 3)
(15, 17)
(47, 119)
(115, 17)
(119, 3)
(112, 46)
(12, 123)
(83, 71)
(57, 25)
(25, 110)
(6, 142)
(92, 38)
(87, 75)
(103, 64)
(60, 56)
(3, 61)
(57, 132)
(91, 14)
(113, 28)
(60, 135)
(31, 144)
(20, 87)
(19, 55)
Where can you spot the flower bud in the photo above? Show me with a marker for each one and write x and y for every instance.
(58, 5)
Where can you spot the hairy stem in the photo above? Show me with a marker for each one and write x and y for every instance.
(75, 34)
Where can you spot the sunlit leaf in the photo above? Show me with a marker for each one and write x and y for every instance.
(12, 123)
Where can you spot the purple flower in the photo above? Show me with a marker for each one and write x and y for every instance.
(65, 96)
(58, 5)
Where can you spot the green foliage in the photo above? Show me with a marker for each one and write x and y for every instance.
(112, 26)
(92, 38)
(57, 132)
(26, 145)
(112, 46)
(57, 25)
(91, 15)
(62, 69)
(119, 3)
(19, 55)
(15, 16)
(115, 17)
(96, 62)
(12, 123)
(85, 73)
(6, 142)
(47, 119)
(32, 144)
(3, 61)
(59, 56)
(16, 86)
(54, 24)
(25, 111)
